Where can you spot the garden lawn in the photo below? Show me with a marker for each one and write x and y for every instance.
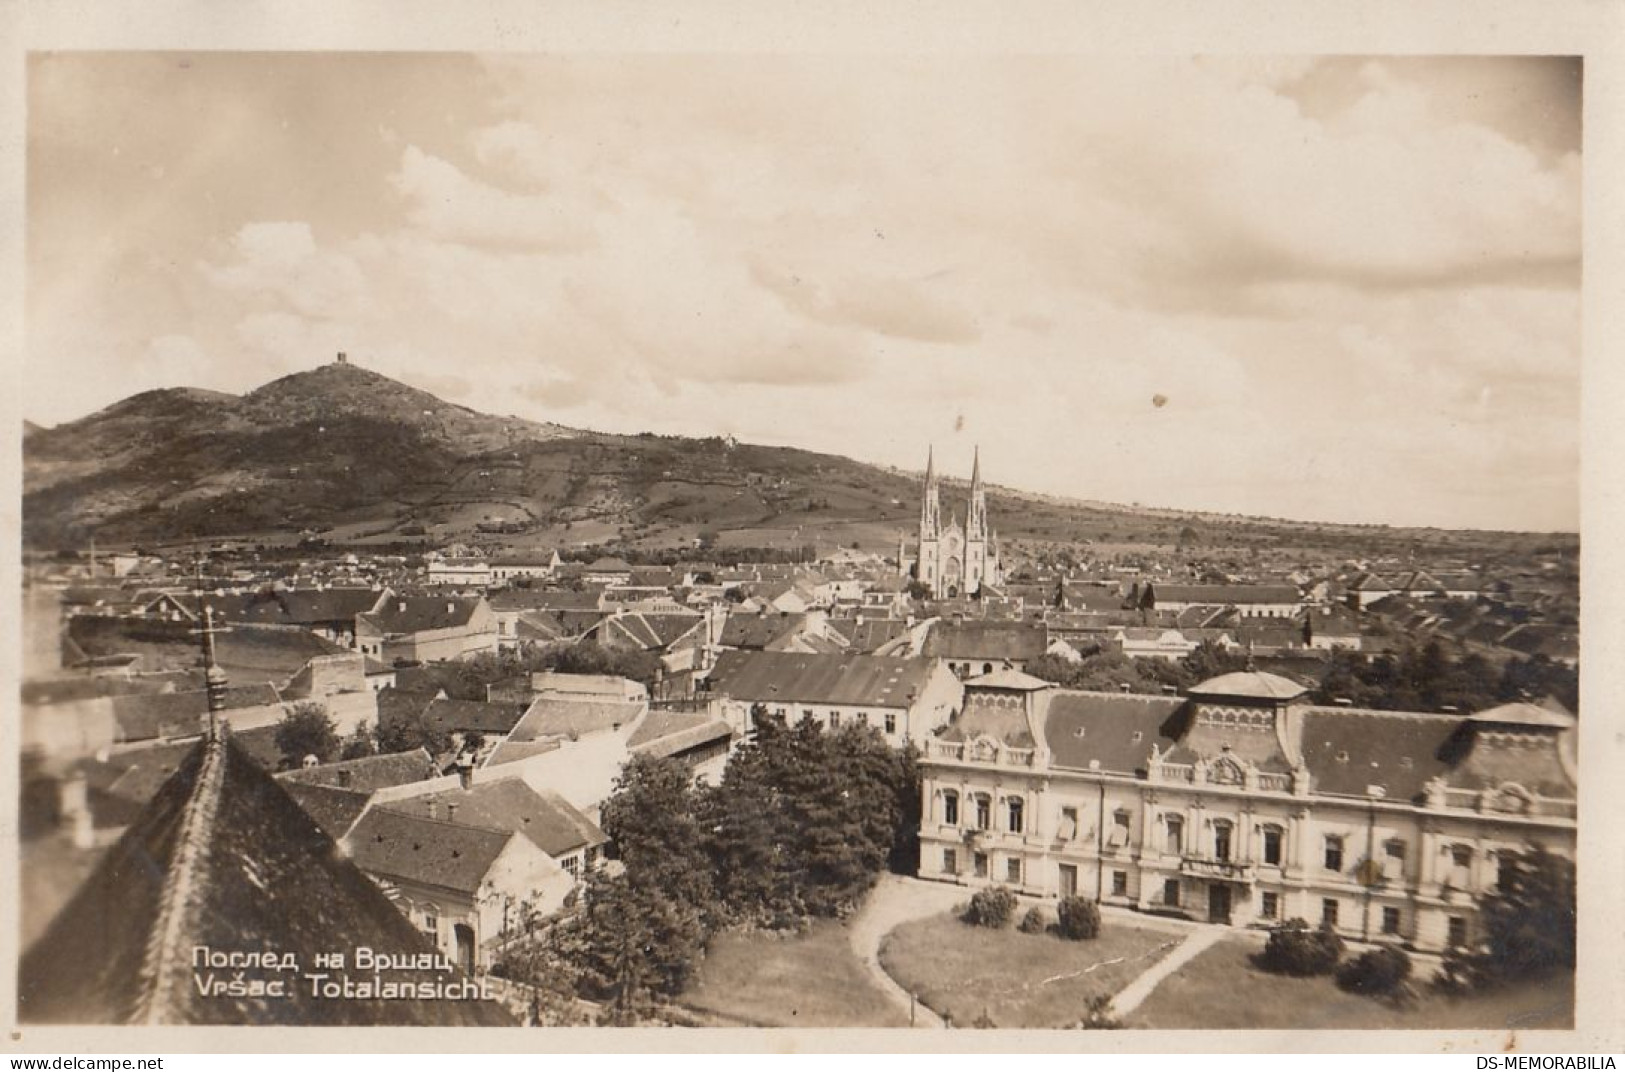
(1017, 980)
(806, 980)
(1221, 989)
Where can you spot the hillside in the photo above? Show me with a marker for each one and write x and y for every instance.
(359, 458)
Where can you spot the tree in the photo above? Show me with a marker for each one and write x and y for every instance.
(360, 743)
(633, 944)
(1294, 949)
(1077, 918)
(991, 907)
(653, 820)
(1382, 972)
(306, 730)
(1526, 926)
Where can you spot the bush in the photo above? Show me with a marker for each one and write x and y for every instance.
(1377, 972)
(1294, 949)
(991, 907)
(1077, 919)
(1034, 922)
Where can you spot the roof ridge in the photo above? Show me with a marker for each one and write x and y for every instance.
(394, 808)
(1323, 709)
(175, 900)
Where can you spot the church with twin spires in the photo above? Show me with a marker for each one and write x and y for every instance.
(954, 560)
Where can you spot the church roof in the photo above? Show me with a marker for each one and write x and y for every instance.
(223, 858)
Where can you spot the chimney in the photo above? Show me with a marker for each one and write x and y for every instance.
(434, 810)
(344, 778)
(451, 811)
(465, 772)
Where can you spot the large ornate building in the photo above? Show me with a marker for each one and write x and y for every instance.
(1243, 803)
(954, 560)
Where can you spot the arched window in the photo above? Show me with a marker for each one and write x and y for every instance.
(950, 807)
(1017, 809)
(1175, 844)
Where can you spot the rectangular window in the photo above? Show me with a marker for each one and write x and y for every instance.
(1272, 846)
(1069, 880)
(979, 861)
(1017, 816)
(572, 866)
(1457, 934)
(891, 723)
(984, 813)
(1069, 824)
(1334, 853)
(1461, 867)
(1269, 906)
(1176, 835)
(863, 718)
(834, 719)
(1328, 912)
(1119, 883)
(1393, 859)
(1221, 841)
(1012, 870)
(1119, 832)
(950, 861)
(950, 808)
(1170, 893)
(1390, 921)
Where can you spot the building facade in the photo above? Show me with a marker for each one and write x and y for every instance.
(954, 560)
(1242, 803)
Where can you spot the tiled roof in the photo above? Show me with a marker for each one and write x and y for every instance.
(650, 631)
(417, 614)
(866, 635)
(1349, 749)
(434, 852)
(559, 717)
(473, 716)
(665, 733)
(1225, 594)
(153, 716)
(368, 772)
(1116, 730)
(542, 816)
(858, 680)
(985, 640)
(222, 857)
(335, 809)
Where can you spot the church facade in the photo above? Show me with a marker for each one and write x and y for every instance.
(954, 560)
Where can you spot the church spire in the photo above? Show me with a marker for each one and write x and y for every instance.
(976, 512)
(930, 508)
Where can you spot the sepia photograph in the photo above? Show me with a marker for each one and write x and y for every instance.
(764, 539)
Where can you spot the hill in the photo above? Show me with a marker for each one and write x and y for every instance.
(359, 457)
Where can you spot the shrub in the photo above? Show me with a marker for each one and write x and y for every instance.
(991, 907)
(1377, 972)
(1034, 921)
(1077, 918)
(1294, 949)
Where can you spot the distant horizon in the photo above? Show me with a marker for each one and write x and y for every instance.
(951, 477)
(1342, 287)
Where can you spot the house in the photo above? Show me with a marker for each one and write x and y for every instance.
(1242, 803)
(607, 571)
(1330, 627)
(458, 572)
(903, 698)
(535, 564)
(426, 629)
(679, 639)
(553, 684)
(971, 648)
(1367, 588)
(466, 888)
(1250, 600)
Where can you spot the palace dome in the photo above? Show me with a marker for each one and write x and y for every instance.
(1251, 685)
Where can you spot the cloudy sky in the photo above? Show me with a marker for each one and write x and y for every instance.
(1341, 289)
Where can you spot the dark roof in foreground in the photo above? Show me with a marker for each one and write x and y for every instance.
(221, 858)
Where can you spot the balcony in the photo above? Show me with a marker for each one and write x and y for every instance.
(1212, 868)
(980, 753)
